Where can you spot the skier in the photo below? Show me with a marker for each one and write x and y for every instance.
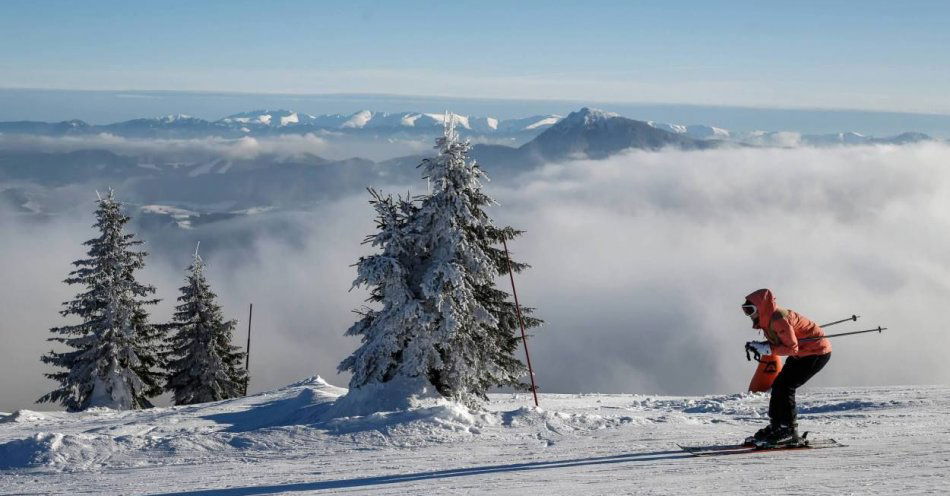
(783, 329)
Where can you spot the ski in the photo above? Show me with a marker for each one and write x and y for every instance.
(736, 449)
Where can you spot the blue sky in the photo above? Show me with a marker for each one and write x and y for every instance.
(831, 54)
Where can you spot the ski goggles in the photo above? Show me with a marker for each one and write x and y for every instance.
(750, 310)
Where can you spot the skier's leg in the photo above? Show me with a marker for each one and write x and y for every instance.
(782, 400)
(807, 368)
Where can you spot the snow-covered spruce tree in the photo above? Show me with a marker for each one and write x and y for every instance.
(202, 363)
(389, 330)
(443, 318)
(115, 351)
(472, 339)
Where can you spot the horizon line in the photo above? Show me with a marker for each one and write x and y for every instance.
(583, 103)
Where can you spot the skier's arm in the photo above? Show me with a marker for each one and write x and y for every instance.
(788, 342)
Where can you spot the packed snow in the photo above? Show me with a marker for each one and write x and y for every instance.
(303, 438)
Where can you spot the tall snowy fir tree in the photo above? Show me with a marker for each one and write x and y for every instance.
(443, 317)
(202, 363)
(114, 350)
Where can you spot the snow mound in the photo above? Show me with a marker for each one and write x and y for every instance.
(23, 416)
(57, 451)
(399, 413)
(29, 451)
(398, 394)
(307, 416)
(415, 427)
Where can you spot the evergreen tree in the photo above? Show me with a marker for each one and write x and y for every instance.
(386, 332)
(473, 323)
(443, 318)
(114, 349)
(202, 363)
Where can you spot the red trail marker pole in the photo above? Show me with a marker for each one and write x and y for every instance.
(524, 337)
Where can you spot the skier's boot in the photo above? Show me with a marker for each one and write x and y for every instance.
(760, 435)
(782, 436)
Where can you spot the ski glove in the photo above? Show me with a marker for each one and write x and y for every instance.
(758, 348)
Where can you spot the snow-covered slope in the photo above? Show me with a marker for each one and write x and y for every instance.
(594, 133)
(268, 118)
(290, 440)
(698, 131)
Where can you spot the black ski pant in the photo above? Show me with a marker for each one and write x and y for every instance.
(796, 372)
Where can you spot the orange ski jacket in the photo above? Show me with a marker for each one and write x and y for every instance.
(784, 328)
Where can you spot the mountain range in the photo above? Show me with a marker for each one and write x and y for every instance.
(270, 122)
(385, 124)
(187, 189)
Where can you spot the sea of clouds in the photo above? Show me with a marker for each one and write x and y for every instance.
(327, 144)
(640, 263)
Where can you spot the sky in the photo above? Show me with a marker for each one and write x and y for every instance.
(870, 55)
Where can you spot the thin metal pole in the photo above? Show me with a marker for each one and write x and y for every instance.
(524, 337)
(247, 356)
(853, 318)
(878, 329)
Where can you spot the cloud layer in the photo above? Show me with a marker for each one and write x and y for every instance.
(641, 262)
(326, 144)
(639, 265)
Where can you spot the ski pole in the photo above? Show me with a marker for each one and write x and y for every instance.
(878, 329)
(750, 353)
(853, 318)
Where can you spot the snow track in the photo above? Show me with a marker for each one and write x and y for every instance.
(288, 441)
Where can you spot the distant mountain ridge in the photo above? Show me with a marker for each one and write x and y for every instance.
(585, 134)
(788, 138)
(368, 122)
(222, 186)
(593, 133)
(186, 188)
(268, 122)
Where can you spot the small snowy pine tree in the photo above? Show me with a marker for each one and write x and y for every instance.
(202, 364)
(114, 349)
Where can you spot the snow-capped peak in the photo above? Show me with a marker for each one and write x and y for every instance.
(289, 119)
(368, 119)
(547, 121)
(168, 119)
(358, 120)
(276, 118)
(587, 116)
(673, 128)
(698, 131)
(459, 120)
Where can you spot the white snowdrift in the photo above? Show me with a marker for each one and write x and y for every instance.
(401, 414)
